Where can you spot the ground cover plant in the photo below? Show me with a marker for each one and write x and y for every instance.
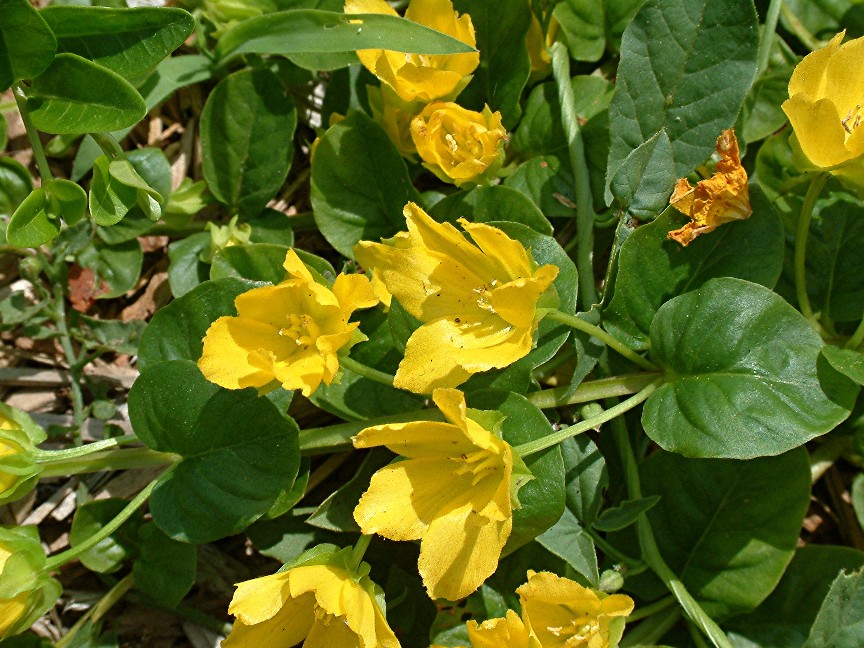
(433, 323)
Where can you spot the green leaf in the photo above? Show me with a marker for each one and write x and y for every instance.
(247, 139)
(68, 199)
(172, 74)
(33, 223)
(693, 88)
(541, 499)
(840, 621)
(743, 375)
(824, 18)
(857, 494)
(256, 261)
(728, 528)
(495, 203)
(110, 199)
(118, 266)
(545, 179)
(75, 95)
(785, 617)
(848, 362)
(113, 335)
(585, 477)
(761, 114)
(582, 24)
(362, 200)
(147, 198)
(306, 31)
(622, 516)
(231, 472)
(271, 226)
(15, 185)
(176, 331)
(27, 45)
(165, 570)
(645, 178)
(652, 269)
(186, 270)
(504, 67)
(130, 42)
(568, 540)
(110, 553)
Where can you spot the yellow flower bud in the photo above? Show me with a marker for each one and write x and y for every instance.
(459, 145)
(422, 77)
(394, 116)
(18, 468)
(826, 109)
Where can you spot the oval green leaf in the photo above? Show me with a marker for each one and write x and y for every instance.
(70, 197)
(247, 139)
(744, 377)
(255, 261)
(495, 203)
(116, 266)
(165, 570)
(231, 472)
(15, 185)
(27, 45)
(33, 223)
(131, 42)
(75, 95)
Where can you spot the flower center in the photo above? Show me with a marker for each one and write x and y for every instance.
(581, 628)
(420, 60)
(852, 119)
(302, 329)
(478, 464)
(483, 293)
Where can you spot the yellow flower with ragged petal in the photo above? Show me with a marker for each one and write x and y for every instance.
(826, 108)
(561, 613)
(422, 77)
(478, 301)
(290, 333)
(452, 492)
(459, 146)
(323, 606)
(720, 199)
(504, 632)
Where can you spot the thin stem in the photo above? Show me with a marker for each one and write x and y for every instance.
(609, 340)
(611, 551)
(110, 146)
(652, 609)
(592, 390)
(72, 553)
(857, 337)
(766, 40)
(366, 372)
(583, 426)
(360, 549)
(48, 456)
(32, 134)
(99, 610)
(650, 631)
(798, 28)
(801, 237)
(116, 459)
(651, 553)
(72, 359)
(582, 181)
(338, 437)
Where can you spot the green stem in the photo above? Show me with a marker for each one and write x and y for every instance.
(652, 609)
(766, 40)
(117, 459)
(48, 456)
(609, 340)
(99, 610)
(54, 562)
(611, 551)
(360, 549)
(32, 134)
(798, 28)
(650, 631)
(110, 146)
(857, 338)
(366, 372)
(72, 359)
(582, 181)
(338, 437)
(801, 236)
(592, 390)
(583, 426)
(651, 553)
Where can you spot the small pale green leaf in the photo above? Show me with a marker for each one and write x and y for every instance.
(27, 45)
(362, 200)
(306, 31)
(33, 223)
(645, 178)
(75, 95)
(840, 621)
(625, 514)
(231, 472)
(131, 42)
(186, 270)
(70, 197)
(110, 199)
(686, 66)
(247, 135)
(744, 375)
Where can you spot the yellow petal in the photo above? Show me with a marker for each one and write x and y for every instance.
(810, 75)
(511, 255)
(496, 633)
(818, 129)
(332, 632)
(11, 610)
(353, 291)
(259, 599)
(459, 552)
(516, 302)
(226, 359)
(288, 627)
(416, 439)
(296, 268)
(844, 83)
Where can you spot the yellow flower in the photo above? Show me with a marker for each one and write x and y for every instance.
(560, 613)
(459, 145)
(291, 332)
(452, 492)
(13, 608)
(19, 471)
(325, 605)
(826, 108)
(507, 632)
(720, 199)
(478, 303)
(394, 116)
(538, 46)
(421, 77)
(8, 448)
